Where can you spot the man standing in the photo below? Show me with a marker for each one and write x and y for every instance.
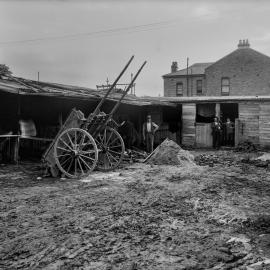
(229, 132)
(149, 129)
(216, 131)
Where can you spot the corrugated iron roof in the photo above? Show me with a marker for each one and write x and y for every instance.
(29, 87)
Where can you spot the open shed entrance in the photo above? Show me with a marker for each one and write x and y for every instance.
(228, 110)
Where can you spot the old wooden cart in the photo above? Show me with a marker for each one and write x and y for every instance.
(83, 144)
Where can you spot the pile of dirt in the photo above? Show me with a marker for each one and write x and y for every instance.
(170, 153)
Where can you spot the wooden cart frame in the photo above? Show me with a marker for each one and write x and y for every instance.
(85, 144)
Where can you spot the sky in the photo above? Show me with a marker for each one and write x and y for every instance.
(84, 42)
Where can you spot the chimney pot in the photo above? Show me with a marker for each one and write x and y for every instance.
(174, 67)
(243, 43)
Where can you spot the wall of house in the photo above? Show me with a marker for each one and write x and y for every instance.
(247, 70)
(170, 85)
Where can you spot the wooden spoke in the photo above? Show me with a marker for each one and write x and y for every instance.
(63, 155)
(63, 149)
(110, 159)
(88, 152)
(114, 152)
(75, 166)
(70, 164)
(109, 137)
(65, 162)
(104, 136)
(75, 137)
(65, 144)
(87, 157)
(82, 141)
(109, 154)
(75, 152)
(85, 163)
(111, 163)
(80, 165)
(114, 140)
(70, 140)
(116, 146)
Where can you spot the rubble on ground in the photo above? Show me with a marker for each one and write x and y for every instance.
(134, 155)
(261, 161)
(170, 153)
(210, 159)
(246, 146)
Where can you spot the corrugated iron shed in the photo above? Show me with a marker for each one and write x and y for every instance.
(22, 86)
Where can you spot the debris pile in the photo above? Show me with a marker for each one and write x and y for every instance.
(246, 146)
(132, 155)
(261, 161)
(206, 159)
(211, 160)
(170, 153)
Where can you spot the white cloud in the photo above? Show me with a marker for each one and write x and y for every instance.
(206, 12)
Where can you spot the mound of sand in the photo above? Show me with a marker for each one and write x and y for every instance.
(170, 153)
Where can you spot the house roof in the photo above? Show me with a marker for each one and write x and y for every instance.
(195, 69)
(15, 85)
(241, 56)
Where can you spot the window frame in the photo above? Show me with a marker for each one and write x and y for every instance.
(228, 85)
(177, 89)
(201, 87)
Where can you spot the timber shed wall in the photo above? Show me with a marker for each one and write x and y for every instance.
(249, 119)
(255, 123)
(264, 124)
(188, 124)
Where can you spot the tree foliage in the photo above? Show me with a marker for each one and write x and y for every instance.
(4, 70)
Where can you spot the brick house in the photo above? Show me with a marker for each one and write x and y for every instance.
(185, 82)
(242, 72)
(237, 87)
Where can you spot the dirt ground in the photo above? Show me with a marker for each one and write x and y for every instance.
(215, 216)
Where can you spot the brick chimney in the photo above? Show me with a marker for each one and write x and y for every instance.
(174, 67)
(243, 44)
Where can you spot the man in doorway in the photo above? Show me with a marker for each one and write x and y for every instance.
(229, 129)
(216, 132)
(149, 130)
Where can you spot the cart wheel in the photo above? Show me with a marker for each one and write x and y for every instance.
(75, 153)
(111, 149)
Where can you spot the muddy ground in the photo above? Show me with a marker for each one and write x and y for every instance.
(215, 216)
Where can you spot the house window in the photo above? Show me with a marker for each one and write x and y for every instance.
(179, 89)
(225, 86)
(199, 86)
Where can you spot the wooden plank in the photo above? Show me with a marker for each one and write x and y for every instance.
(188, 124)
(204, 136)
(249, 118)
(264, 124)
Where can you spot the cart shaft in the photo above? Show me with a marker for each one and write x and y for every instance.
(96, 111)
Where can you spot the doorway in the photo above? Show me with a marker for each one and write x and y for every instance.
(228, 113)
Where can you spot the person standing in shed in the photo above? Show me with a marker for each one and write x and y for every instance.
(229, 126)
(216, 132)
(149, 130)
